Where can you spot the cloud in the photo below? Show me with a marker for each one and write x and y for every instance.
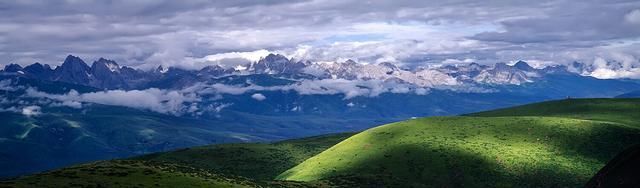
(607, 70)
(560, 20)
(162, 101)
(72, 104)
(31, 111)
(7, 85)
(258, 97)
(348, 88)
(225, 60)
(10, 109)
(252, 56)
(633, 16)
(203, 98)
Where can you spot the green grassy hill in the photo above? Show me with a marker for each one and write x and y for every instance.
(260, 161)
(129, 173)
(223, 165)
(625, 111)
(552, 144)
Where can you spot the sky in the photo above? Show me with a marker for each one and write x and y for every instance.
(192, 34)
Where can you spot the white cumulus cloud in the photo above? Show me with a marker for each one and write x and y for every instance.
(258, 97)
(31, 110)
(158, 100)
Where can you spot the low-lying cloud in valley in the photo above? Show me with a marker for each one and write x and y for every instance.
(158, 100)
(348, 88)
(200, 97)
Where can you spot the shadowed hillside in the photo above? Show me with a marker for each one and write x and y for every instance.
(622, 171)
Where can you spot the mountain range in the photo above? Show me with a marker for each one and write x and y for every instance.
(293, 87)
(107, 74)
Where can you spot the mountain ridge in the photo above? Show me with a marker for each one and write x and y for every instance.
(107, 74)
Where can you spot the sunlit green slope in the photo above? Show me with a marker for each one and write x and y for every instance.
(559, 143)
(626, 111)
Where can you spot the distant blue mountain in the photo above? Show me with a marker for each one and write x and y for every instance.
(633, 94)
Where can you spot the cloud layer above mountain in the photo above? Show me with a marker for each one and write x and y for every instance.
(187, 33)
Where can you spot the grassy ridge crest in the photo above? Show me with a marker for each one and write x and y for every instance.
(550, 144)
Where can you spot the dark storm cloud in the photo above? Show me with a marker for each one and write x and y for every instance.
(146, 33)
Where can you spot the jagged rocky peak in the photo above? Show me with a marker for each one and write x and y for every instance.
(580, 68)
(38, 70)
(37, 67)
(350, 62)
(523, 66)
(103, 68)
(274, 58)
(449, 67)
(476, 67)
(12, 68)
(215, 70)
(73, 70)
(161, 69)
(501, 67)
(74, 63)
(390, 65)
(276, 64)
(307, 62)
(556, 69)
(103, 64)
(108, 74)
(474, 64)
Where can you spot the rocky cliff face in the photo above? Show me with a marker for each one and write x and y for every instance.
(107, 74)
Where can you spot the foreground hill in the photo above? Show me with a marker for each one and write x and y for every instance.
(622, 171)
(223, 165)
(258, 161)
(129, 173)
(552, 144)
